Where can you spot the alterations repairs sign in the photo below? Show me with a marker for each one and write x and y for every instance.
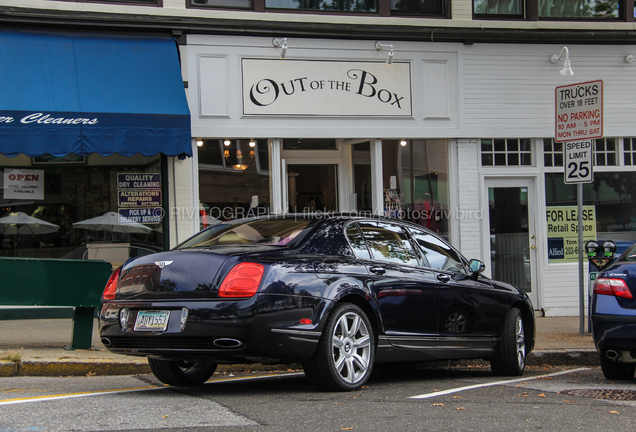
(326, 88)
(563, 233)
(139, 197)
(579, 111)
(23, 184)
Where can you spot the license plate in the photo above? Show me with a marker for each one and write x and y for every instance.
(152, 320)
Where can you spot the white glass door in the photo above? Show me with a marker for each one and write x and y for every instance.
(511, 229)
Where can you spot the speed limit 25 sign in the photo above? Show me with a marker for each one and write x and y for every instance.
(577, 161)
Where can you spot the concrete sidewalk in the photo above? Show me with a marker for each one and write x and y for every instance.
(36, 348)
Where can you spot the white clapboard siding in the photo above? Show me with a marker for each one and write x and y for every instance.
(512, 87)
(561, 289)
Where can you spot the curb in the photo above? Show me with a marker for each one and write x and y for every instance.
(582, 357)
(63, 367)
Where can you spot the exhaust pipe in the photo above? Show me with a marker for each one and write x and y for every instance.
(227, 343)
(611, 354)
(107, 342)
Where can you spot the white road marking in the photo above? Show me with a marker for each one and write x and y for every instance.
(139, 389)
(476, 386)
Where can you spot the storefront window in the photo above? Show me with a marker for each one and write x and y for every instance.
(247, 4)
(70, 207)
(629, 151)
(233, 179)
(499, 8)
(325, 5)
(579, 9)
(506, 152)
(417, 7)
(415, 178)
(611, 194)
(310, 144)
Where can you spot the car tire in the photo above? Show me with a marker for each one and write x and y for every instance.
(510, 356)
(615, 370)
(181, 373)
(344, 357)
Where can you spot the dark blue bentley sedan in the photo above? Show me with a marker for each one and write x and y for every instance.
(613, 313)
(333, 292)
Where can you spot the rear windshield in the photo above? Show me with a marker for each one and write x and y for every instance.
(273, 231)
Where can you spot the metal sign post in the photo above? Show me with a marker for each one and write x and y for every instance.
(579, 116)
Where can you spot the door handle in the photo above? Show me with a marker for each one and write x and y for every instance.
(377, 270)
(443, 278)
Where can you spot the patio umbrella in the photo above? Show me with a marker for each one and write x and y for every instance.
(21, 223)
(110, 222)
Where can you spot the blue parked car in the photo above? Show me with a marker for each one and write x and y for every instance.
(614, 316)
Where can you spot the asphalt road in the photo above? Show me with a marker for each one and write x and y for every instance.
(398, 398)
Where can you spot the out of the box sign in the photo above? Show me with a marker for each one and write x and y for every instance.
(366, 86)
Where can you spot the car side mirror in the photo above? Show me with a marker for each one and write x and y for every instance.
(476, 266)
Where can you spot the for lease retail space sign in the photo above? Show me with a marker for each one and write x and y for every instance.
(563, 233)
(326, 88)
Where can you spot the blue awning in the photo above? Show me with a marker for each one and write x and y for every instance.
(84, 94)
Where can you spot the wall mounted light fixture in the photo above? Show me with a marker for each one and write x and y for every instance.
(630, 58)
(199, 142)
(403, 143)
(389, 59)
(282, 44)
(567, 69)
(227, 142)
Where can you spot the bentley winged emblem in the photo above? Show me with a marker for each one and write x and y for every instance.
(163, 264)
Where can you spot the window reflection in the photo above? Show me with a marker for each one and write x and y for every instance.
(418, 7)
(579, 9)
(438, 255)
(325, 5)
(498, 7)
(388, 243)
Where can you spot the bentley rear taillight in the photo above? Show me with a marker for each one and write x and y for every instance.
(242, 281)
(612, 287)
(111, 286)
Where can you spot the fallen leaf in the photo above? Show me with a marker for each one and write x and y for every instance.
(164, 416)
(438, 404)
(569, 401)
(541, 395)
(346, 428)
(460, 408)
(613, 412)
(457, 397)
(437, 389)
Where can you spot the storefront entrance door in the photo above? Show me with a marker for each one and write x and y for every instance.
(312, 188)
(512, 232)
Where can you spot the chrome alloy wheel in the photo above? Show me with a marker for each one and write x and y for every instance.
(351, 347)
(521, 343)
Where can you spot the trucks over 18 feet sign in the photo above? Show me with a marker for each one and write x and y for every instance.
(579, 111)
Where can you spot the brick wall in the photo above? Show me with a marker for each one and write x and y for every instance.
(469, 212)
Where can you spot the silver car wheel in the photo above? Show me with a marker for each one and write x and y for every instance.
(521, 343)
(351, 347)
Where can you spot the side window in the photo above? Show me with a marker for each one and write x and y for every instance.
(438, 254)
(388, 242)
(357, 242)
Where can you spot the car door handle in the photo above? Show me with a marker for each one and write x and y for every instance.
(377, 270)
(443, 278)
